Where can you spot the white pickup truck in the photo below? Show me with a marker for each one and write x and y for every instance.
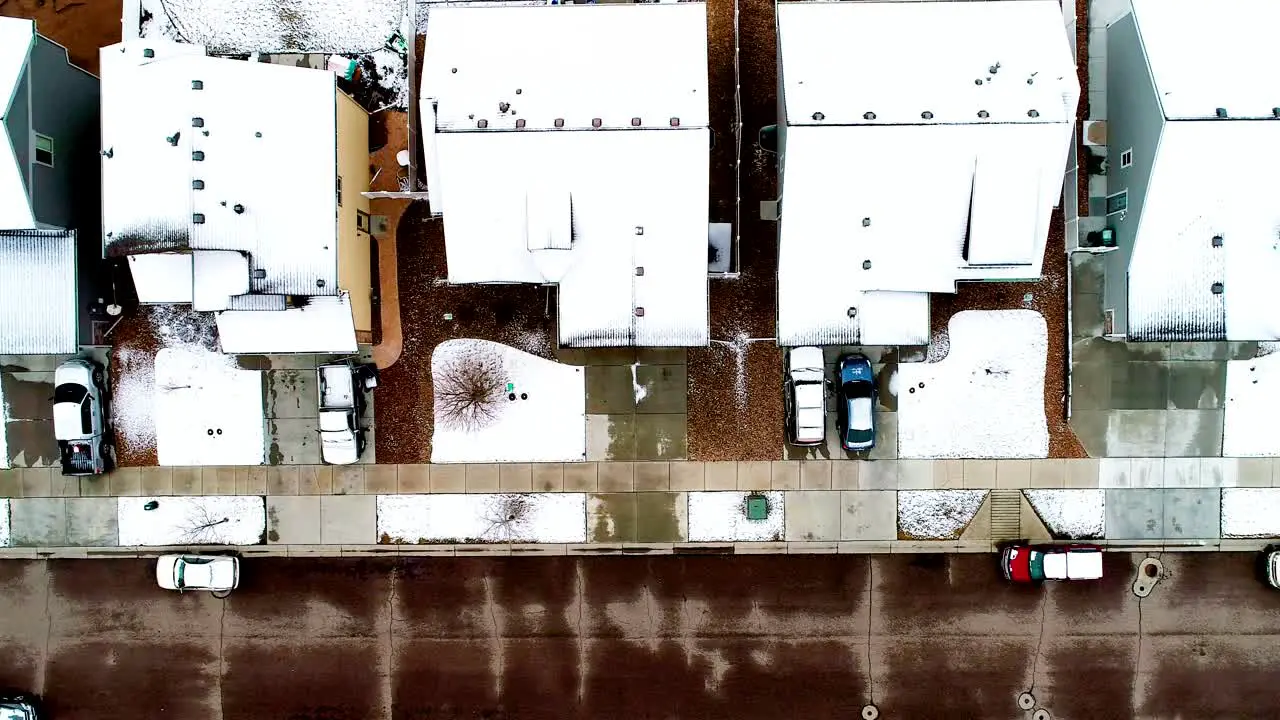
(341, 387)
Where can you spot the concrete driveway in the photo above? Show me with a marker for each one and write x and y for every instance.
(662, 637)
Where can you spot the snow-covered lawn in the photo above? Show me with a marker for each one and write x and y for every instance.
(1250, 512)
(936, 514)
(494, 403)
(1252, 407)
(721, 517)
(5, 537)
(208, 411)
(211, 520)
(1070, 514)
(986, 398)
(483, 518)
(274, 26)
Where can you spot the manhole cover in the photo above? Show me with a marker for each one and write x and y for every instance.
(870, 712)
(1150, 571)
(1026, 701)
(1041, 714)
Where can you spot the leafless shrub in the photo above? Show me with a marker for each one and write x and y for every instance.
(470, 389)
(506, 514)
(203, 527)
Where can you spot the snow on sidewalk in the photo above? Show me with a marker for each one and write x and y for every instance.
(210, 520)
(1250, 512)
(936, 514)
(494, 403)
(1252, 408)
(986, 398)
(1070, 514)
(483, 518)
(721, 517)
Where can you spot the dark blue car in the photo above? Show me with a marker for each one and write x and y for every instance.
(856, 403)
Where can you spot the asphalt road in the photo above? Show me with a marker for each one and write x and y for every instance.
(661, 637)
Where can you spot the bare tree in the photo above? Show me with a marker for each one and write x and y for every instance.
(506, 515)
(470, 388)
(203, 527)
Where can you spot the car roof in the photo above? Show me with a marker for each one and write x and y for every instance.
(804, 357)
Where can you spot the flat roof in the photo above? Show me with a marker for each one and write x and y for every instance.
(38, 297)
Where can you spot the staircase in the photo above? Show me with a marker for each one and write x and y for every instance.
(1006, 515)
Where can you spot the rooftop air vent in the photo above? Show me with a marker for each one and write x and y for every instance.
(596, 122)
(259, 274)
(852, 312)
(238, 209)
(173, 139)
(197, 155)
(1217, 241)
(197, 184)
(639, 230)
(1275, 112)
(818, 116)
(866, 222)
(520, 123)
(635, 122)
(504, 106)
(197, 122)
(977, 81)
(320, 283)
(639, 312)
(984, 114)
(994, 69)
(866, 264)
(197, 84)
(482, 123)
(1033, 113)
(675, 122)
(868, 116)
(1220, 112)
(197, 218)
(640, 271)
(148, 53)
(926, 115)
(1217, 288)
(559, 122)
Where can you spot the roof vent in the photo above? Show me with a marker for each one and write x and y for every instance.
(1221, 112)
(320, 283)
(1275, 112)
(866, 222)
(977, 81)
(197, 218)
(1217, 241)
(197, 84)
(635, 122)
(639, 312)
(926, 115)
(197, 184)
(640, 271)
(559, 122)
(866, 264)
(482, 123)
(639, 230)
(868, 116)
(109, 152)
(994, 69)
(197, 155)
(148, 53)
(1217, 288)
(984, 114)
(819, 116)
(518, 91)
(596, 122)
(1033, 113)
(238, 208)
(675, 122)
(173, 139)
(852, 312)
(453, 70)
(520, 123)
(257, 134)
(259, 274)
(197, 122)
(504, 106)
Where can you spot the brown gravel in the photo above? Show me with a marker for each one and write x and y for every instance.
(1082, 108)
(78, 25)
(1049, 298)
(518, 315)
(720, 426)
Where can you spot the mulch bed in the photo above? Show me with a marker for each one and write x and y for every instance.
(1082, 107)
(515, 315)
(719, 428)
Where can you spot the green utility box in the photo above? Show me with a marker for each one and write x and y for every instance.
(757, 507)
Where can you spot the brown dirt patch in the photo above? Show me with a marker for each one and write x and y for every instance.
(518, 315)
(1047, 296)
(81, 26)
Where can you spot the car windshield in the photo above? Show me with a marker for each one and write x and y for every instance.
(68, 393)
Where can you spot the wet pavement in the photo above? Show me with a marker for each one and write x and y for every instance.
(672, 637)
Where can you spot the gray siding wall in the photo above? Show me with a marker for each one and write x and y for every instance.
(18, 123)
(1134, 120)
(65, 107)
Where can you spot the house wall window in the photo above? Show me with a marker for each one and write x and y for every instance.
(1126, 158)
(362, 221)
(1118, 202)
(44, 150)
(339, 191)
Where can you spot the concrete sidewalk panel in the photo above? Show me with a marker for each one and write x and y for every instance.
(1192, 513)
(38, 521)
(348, 519)
(1134, 514)
(868, 515)
(93, 522)
(813, 515)
(293, 520)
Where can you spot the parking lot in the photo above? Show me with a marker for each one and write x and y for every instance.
(705, 637)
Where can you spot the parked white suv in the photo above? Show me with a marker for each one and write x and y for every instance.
(79, 417)
(215, 573)
(805, 397)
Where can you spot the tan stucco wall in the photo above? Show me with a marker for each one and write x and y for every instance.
(353, 245)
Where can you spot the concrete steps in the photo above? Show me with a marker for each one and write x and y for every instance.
(1006, 515)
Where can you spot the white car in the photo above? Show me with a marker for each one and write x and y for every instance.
(79, 417)
(216, 573)
(805, 396)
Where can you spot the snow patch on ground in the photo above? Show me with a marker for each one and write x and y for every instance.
(273, 26)
(483, 518)
(936, 514)
(5, 536)
(1070, 514)
(4, 434)
(1253, 407)
(208, 411)
(638, 390)
(391, 73)
(549, 425)
(210, 520)
(986, 398)
(721, 517)
(1250, 512)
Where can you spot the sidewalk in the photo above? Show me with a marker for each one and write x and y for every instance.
(614, 477)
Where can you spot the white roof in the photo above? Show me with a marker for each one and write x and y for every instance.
(323, 325)
(161, 277)
(38, 307)
(16, 38)
(1232, 64)
(879, 210)
(207, 410)
(578, 63)
(1193, 196)
(270, 151)
(899, 60)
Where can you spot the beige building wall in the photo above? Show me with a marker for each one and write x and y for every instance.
(353, 211)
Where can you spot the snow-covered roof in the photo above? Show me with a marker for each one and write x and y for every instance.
(923, 176)
(207, 410)
(1232, 193)
(1231, 64)
(898, 60)
(163, 277)
(616, 216)
(16, 38)
(37, 292)
(233, 155)
(323, 325)
(270, 26)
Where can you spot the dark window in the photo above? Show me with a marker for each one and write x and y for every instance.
(44, 150)
(1118, 203)
(1126, 158)
(69, 393)
(339, 191)
(86, 416)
